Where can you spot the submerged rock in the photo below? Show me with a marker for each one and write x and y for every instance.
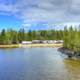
(70, 55)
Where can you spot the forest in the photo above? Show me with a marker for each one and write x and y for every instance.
(72, 39)
(14, 37)
(71, 36)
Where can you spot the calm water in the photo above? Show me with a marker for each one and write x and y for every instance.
(37, 64)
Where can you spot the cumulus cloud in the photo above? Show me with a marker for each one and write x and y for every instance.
(42, 10)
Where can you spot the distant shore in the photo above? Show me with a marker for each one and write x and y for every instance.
(31, 45)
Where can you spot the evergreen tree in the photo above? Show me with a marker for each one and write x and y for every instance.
(21, 35)
(3, 37)
(29, 35)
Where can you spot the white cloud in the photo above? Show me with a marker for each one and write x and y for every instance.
(8, 8)
(43, 10)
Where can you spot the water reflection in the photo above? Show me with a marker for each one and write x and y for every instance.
(73, 67)
(36, 64)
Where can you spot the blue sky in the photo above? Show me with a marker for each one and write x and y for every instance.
(7, 21)
(39, 14)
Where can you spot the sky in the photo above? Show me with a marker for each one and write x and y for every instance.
(39, 14)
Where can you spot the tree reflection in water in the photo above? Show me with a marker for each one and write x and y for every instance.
(73, 67)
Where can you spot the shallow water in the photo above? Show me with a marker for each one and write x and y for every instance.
(37, 64)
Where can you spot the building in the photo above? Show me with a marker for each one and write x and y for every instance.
(44, 41)
(26, 42)
(58, 41)
(50, 41)
(35, 41)
(54, 41)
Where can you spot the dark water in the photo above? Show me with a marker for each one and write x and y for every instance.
(37, 64)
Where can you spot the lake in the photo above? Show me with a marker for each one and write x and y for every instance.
(37, 64)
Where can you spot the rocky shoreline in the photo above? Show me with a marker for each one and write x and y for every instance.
(69, 53)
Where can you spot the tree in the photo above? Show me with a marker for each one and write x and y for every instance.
(34, 35)
(3, 37)
(29, 35)
(21, 35)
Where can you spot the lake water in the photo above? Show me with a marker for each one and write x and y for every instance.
(37, 64)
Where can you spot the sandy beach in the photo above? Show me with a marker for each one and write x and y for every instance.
(31, 45)
(10, 46)
(43, 45)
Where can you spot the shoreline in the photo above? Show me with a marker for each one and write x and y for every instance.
(69, 53)
(43, 45)
(31, 45)
(10, 46)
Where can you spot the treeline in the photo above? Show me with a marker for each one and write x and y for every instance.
(72, 38)
(14, 37)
